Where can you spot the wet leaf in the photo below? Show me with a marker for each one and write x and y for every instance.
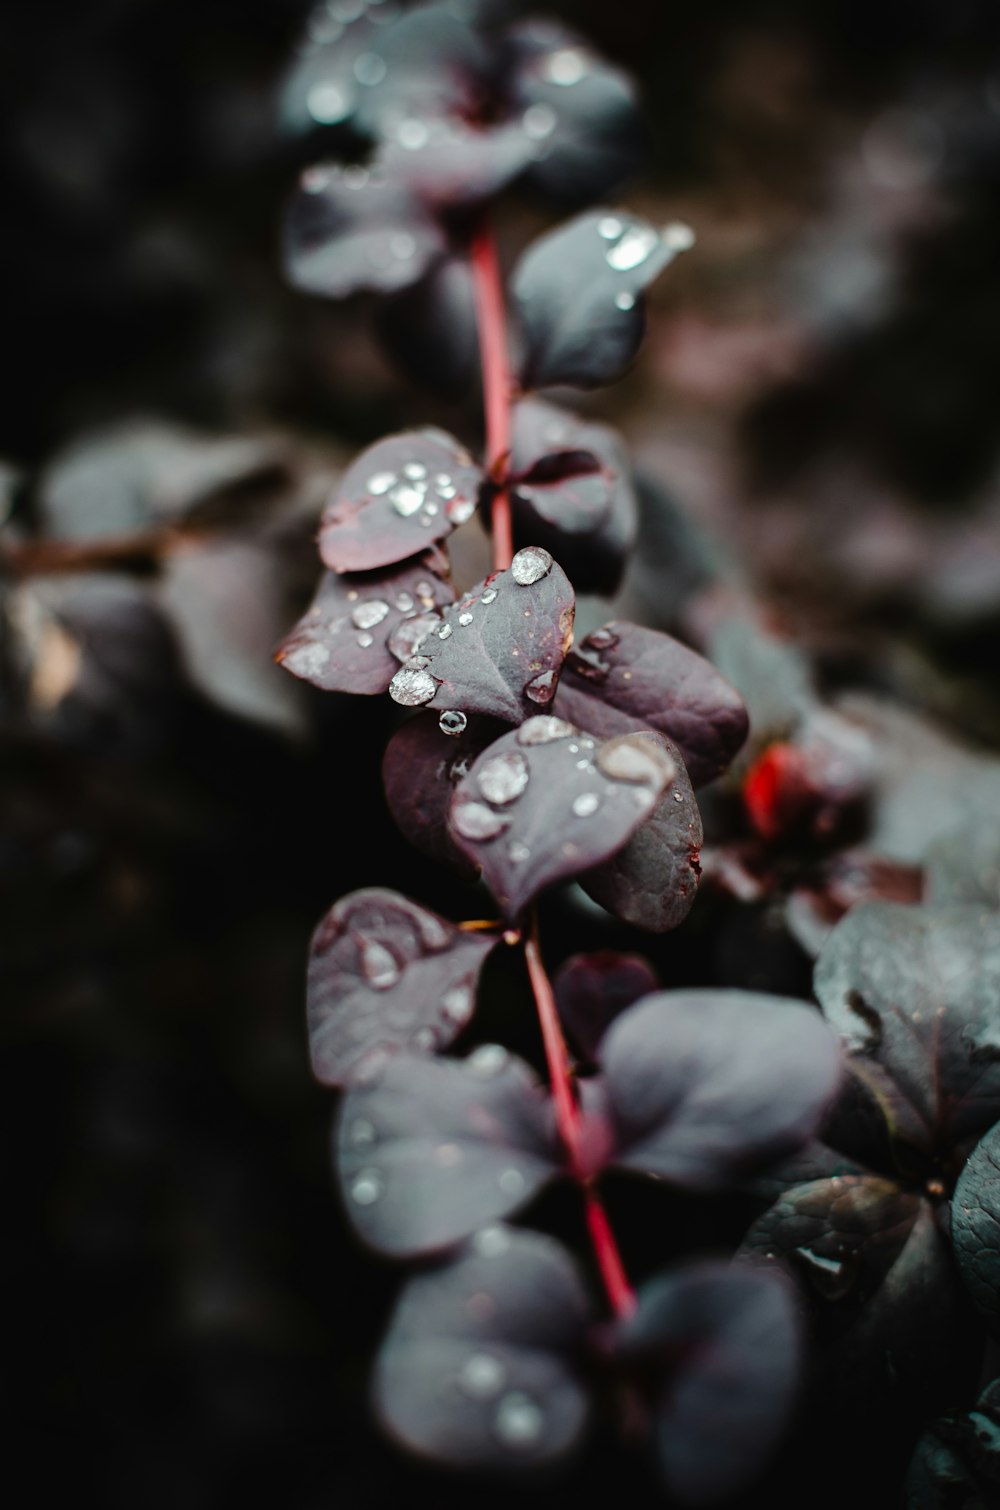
(721, 1349)
(430, 331)
(436, 65)
(429, 1150)
(964, 866)
(479, 1364)
(544, 803)
(450, 163)
(342, 641)
(500, 648)
(624, 677)
(957, 1460)
(420, 769)
(652, 882)
(397, 497)
(702, 1085)
(578, 295)
(593, 989)
(975, 1226)
(323, 87)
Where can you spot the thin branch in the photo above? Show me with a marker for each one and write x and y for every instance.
(497, 384)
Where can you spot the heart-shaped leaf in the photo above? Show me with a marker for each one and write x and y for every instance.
(385, 973)
(975, 1225)
(624, 677)
(479, 1364)
(423, 762)
(395, 498)
(914, 991)
(591, 990)
(500, 649)
(428, 1150)
(546, 802)
(702, 1085)
(342, 642)
(578, 293)
(653, 880)
(725, 1344)
(430, 331)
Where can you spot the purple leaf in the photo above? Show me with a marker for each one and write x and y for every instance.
(432, 64)
(964, 866)
(624, 677)
(844, 880)
(342, 641)
(428, 1150)
(420, 769)
(385, 973)
(479, 1364)
(975, 1225)
(578, 292)
(450, 163)
(500, 649)
(545, 802)
(429, 330)
(914, 991)
(652, 882)
(700, 1086)
(724, 1343)
(323, 88)
(346, 231)
(397, 497)
(593, 989)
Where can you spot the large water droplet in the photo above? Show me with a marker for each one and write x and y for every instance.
(503, 778)
(327, 104)
(586, 662)
(632, 249)
(406, 500)
(586, 804)
(567, 66)
(491, 1242)
(456, 1003)
(541, 688)
(410, 633)
(379, 965)
(445, 631)
(411, 687)
(415, 471)
(543, 730)
(610, 227)
(380, 483)
(474, 820)
(482, 1376)
(459, 510)
(489, 1059)
(370, 613)
(488, 597)
(635, 760)
(465, 619)
(530, 565)
(453, 722)
(367, 1187)
(519, 1421)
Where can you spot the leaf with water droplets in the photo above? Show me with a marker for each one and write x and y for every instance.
(576, 803)
(387, 974)
(578, 295)
(436, 65)
(703, 1085)
(479, 1365)
(591, 990)
(652, 882)
(500, 648)
(914, 991)
(347, 230)
(624, 677)
(420, 769)
(429, 330)
(975, 1226)
(452, 163)
(341, 643)
(395, 498)
(453, 1145)
(724, 1345)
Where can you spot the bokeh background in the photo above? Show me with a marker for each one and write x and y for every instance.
(187, 1321)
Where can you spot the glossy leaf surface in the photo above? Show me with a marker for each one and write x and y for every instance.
(420, 769)
(975, 1227)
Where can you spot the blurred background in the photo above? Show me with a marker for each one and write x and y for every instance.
(187, 1320)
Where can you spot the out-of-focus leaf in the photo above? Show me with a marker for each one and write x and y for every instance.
(964, 866)
(429, 330)
(845, 880)
(325, 85)
(591, 990)
(957, 1460)
(975, 1225)
(449, 163)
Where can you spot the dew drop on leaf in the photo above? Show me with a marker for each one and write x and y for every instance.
(455, 1003)
(475, 821)
(489, 1059)
(491, 1242)
(543, 730)
(415, 471)
(459, 510)
(566, 67)
(519, 1421)
(368, 614)
(366, 1187)
(541, 688)
(465, 619)
(380, 483)
(489, 596)
(586, 804)
(379, 965)
(452, 722)
(406, 500)
(610, 228)
(632, 249)
(624, 300)
(503, 778)
(539, 121)
(366, 641)
(482, 1376)
(409, 634)
(530, 565)
(412, 686)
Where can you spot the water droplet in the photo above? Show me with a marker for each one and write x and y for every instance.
(378, 964)
(610, 227)
(491, 1242)
(503, 778)
(584, 661)
(369, 613)
(415, 471)
(402, 245)
(567, 66)
(361, 1133)
(369, 69)
(307, 660)
(459, 510)
(519, 1422)
(678, 236)
(474, 820)
(624, 300)
(632, 249)
(406, 500)
(482, 1376)
(410, 633)
(456, 1003)
(541, 688)
(425, 591)
(635, 760)
(586, 804)
(489, 596)
(512, 1182)
(465, 619)
(366, 641)
(517, 852)
(380, 483)
(602, 639)
(543, 730)
(411, 687)
(530, 565)
(539, 121)
(404, 602)
(442, 480)
(428, 513)
(424, 1038)
(366, 1187)
(327, 104)
(412, 134)
(453, 722)
(678, 796)
(489, 1059)
(445, 631)
(583, 765)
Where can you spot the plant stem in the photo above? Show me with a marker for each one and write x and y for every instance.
(497, 384)
(620, 1294)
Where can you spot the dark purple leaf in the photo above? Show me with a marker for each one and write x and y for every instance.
(702, 1085)
(546, 802)
(843, 881)
(434, 64)
(652, 882)
(420, 768)
(324, 86)
(593, 989)
(397, 497)
(770, 672)
(964, 866)
(385, 973)
(624, 677)
(721, 1349)
(914, 992)
(342, 641)
(430, 331)
(975, 1225)
(450, 163)
(429, 1150)
(956, 1465)
(578, 295)
(348, 230)
(500, 649)
(479, 1364)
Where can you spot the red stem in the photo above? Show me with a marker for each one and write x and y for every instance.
(619, 1291)
(497, 383)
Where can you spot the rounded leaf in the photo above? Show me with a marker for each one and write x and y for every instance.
(591, 990)
(975, 1225)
